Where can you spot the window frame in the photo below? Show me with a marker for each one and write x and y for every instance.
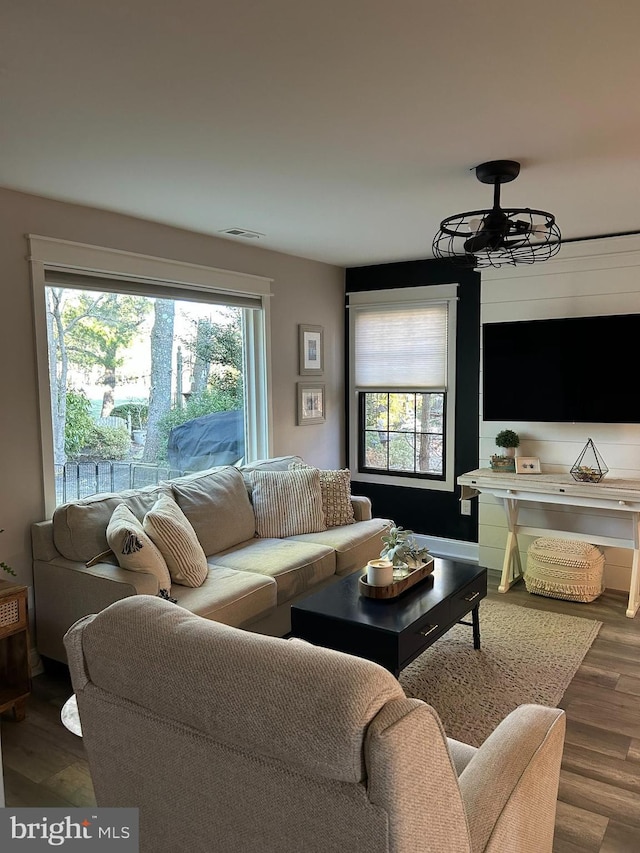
(389, 297)
(154, 274)
(362, 431)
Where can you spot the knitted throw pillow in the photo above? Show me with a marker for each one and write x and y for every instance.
(335, 487)
(176, 540)
(287, 503)
(134, 550)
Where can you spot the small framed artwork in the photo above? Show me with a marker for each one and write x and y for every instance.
(311, 350)
(311, 406)
(527, 465)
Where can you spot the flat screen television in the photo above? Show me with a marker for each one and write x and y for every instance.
(571, 370)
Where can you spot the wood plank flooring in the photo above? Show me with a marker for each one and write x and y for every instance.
(599, 798)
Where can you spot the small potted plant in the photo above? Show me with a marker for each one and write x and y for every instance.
(401, 547)
(508, 440)
(5, 567)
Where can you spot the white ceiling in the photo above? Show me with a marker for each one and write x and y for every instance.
(344, 130)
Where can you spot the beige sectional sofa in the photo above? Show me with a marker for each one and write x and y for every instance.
(251, 582)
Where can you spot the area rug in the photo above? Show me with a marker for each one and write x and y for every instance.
(526, 656)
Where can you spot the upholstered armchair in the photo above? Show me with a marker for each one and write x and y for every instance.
(235, 742)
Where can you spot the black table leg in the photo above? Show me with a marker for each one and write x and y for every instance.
(475, 615)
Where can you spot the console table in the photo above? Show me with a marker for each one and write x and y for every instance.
(621, 496)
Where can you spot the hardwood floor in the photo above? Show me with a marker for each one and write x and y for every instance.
(599, 798)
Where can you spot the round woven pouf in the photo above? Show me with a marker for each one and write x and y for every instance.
(564, 568)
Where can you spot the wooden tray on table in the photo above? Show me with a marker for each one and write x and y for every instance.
(393, 590)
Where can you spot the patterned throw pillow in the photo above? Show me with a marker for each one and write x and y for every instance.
(287, 503)
(176, 540)
(336, 495)
(134, 550)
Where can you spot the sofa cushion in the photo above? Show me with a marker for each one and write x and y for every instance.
(227, 596)
(354, 544)
(336, 495)
(80, 528)
(218, 507)
(176, 540)
(295, 566)
(133, 548)
(274, 463)
(287, 502)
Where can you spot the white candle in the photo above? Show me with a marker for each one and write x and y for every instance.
(379, 572)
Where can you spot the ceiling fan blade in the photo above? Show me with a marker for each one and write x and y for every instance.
(479, 242)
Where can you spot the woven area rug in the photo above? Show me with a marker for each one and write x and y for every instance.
(526, 656)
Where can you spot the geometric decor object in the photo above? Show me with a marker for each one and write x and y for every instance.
(497, 236)
(589, 467)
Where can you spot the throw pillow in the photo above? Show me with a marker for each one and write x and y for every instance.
(336, 495)
(287, 503)
(176, 540)
(134, 550)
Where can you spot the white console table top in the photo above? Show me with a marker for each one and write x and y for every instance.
(611, 493)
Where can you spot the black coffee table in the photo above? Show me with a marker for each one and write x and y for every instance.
(392, 633)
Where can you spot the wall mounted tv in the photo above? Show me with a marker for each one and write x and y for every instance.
(571, 370)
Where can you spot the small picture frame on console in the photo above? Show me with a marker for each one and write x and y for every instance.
(527, 465)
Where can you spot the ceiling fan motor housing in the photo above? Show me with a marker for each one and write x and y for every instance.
(498, 171)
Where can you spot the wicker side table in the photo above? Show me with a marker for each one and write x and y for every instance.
(15, 680)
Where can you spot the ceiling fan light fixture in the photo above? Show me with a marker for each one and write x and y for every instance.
(499, 235)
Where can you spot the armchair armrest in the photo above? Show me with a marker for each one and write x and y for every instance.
(516, 767)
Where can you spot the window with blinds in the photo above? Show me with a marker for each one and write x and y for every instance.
(150, 368)
(401, 370)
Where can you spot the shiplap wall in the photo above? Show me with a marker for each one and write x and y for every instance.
(589, 278)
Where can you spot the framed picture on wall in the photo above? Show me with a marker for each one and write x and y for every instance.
(311, 350)
(311, 403)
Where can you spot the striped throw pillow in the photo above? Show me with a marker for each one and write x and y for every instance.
(336, 495)
(170, 530)
(287, 503)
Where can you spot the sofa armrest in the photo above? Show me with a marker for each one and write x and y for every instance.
(510, 786)
(66, 590)
(42, 541)
(361, 507)
(143, 583)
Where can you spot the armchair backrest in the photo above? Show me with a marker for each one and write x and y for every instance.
(232, 741)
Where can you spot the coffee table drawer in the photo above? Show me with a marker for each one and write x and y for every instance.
(467, 598)
(425, 631)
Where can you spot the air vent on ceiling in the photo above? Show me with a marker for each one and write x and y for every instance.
(242, 232)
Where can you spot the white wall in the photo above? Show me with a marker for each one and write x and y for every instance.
(587, 278)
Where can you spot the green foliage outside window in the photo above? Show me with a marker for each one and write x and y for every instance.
(78, 425)
(111, 443)
(138, 412)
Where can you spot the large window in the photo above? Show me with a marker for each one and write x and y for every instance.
(402, 390)
(147, 380)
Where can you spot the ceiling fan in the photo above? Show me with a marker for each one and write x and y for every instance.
(497, 236)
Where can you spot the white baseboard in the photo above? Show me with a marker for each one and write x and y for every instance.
(454, 549)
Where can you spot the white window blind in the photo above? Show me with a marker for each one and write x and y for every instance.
(401, 347)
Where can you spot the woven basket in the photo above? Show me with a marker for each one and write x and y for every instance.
(564, 568)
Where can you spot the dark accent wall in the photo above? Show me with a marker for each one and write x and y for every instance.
(424, 511)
